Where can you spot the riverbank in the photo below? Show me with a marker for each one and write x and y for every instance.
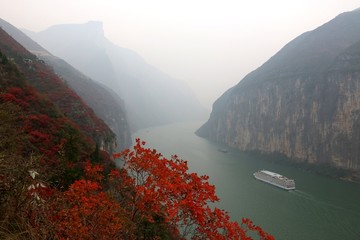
(323, 169)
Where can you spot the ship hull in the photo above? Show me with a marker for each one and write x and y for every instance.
(275, 179)
(275, 184)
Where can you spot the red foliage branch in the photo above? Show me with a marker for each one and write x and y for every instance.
(163, 187)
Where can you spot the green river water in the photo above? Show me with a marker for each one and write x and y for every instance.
(319, 208)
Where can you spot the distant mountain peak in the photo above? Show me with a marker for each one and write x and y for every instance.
(89, 30)
(151, 97)
(95, 26)
(95, 23)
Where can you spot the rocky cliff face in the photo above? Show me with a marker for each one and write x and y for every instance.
(303, 103)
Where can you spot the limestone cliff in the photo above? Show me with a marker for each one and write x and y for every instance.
(304, 102)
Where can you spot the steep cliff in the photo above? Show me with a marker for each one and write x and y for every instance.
(304, 102)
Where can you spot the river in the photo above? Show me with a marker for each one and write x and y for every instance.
(319, 208)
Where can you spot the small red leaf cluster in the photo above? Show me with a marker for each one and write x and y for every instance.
(86, 212)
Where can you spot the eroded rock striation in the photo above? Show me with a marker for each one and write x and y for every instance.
(304, 102)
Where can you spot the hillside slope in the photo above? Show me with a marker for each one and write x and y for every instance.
(44, 80)
(304, 102)
(105, 103)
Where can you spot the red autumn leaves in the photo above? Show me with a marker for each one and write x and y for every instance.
(164, 187)
(148, 190)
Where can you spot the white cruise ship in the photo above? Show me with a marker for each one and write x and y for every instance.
(275, 179)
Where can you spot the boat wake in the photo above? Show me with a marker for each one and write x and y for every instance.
(321, 203)
(303, 194)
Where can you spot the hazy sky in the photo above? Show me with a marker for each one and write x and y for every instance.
(210, 44)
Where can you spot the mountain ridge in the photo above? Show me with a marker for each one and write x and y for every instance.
(283, 58)
(151, 97)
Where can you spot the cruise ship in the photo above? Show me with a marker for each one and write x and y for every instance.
(275, 179)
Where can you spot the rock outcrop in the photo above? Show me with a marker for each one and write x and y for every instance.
(304, 102)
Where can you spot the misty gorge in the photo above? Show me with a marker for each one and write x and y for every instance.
(98, 141)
